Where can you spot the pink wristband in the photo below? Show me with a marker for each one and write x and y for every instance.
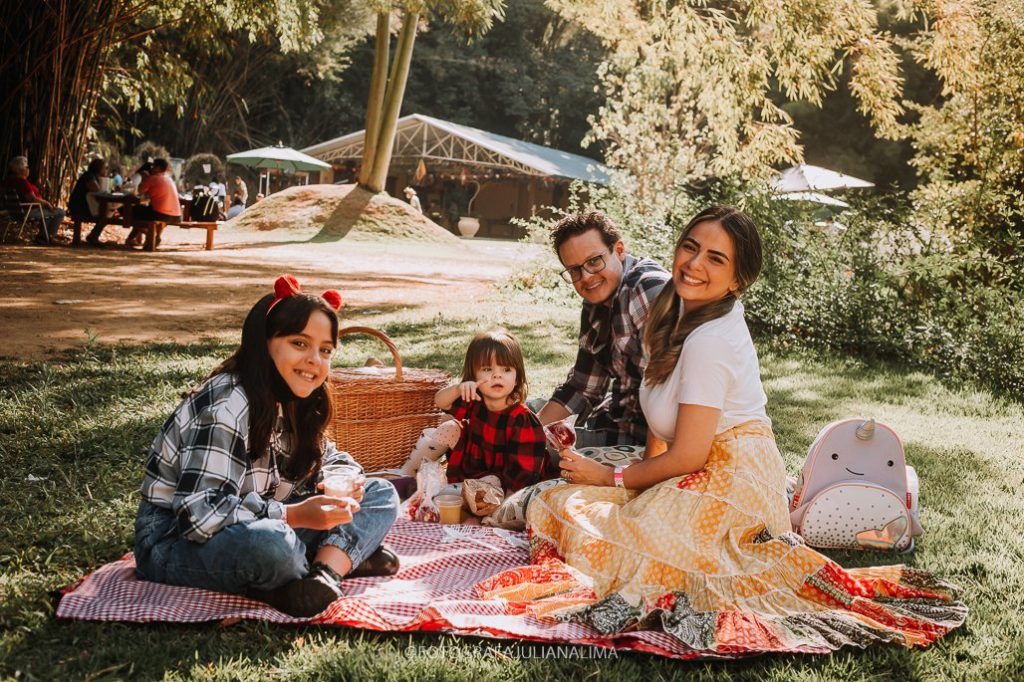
(617, 476)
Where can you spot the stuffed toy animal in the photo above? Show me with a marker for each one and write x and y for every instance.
(856, 491)
(432, 444)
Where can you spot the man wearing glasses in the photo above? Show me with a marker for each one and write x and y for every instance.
(617, 291)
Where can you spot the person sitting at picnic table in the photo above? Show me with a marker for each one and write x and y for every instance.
(696, 537)
(28, 193)
(164, 204)
(83, 205)
(241, 189)
(617, 291)
(140, 174)
(237, 207)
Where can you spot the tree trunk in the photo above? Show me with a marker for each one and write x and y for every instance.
(393, 103)
(378, 87)
(50, 79)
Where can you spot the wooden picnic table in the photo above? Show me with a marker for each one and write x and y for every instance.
(127, 202)
(107, 200)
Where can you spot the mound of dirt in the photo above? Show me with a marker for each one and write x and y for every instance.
(333, 212)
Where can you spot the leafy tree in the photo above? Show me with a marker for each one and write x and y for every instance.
(234, 90)
(970, 140)
(51, 86)
(193, 171)
(689, 84)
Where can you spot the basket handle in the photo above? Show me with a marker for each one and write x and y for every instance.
(383, 337)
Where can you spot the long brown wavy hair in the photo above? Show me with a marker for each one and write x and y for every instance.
(666, 329)
(305, 418)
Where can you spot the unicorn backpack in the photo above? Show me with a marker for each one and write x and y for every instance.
(856, 491)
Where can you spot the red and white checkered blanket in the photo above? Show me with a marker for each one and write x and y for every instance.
(434, 591)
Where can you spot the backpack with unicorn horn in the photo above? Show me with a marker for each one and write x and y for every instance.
(856, 491)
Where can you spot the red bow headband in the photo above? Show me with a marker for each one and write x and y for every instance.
(287, 285)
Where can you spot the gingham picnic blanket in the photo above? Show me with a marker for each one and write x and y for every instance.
(434, 591)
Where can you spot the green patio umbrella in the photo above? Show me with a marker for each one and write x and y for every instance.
(277, 157)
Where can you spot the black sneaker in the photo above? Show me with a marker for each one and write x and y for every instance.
(305, 597)
(381, 563)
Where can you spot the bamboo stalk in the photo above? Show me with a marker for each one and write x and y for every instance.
(378, 89)
(393, 102)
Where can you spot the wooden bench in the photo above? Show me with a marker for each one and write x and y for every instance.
(76, 226)
(153, 228)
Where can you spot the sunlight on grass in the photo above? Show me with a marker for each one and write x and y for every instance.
(74, 433)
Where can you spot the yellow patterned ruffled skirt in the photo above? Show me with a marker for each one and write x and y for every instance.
(711, 559)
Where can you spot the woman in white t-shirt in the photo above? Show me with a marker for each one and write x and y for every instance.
(695, 539)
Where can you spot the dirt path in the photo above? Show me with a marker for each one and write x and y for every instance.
(55, 297)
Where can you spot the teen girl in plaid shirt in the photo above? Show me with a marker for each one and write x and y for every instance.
(229, 499)
(500, 435)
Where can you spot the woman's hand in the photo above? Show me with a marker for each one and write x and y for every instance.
(321, 512)
(578, 469)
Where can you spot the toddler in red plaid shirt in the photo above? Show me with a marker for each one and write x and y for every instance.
(500, 436)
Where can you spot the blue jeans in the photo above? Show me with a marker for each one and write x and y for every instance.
(52, 219)
(261, 554)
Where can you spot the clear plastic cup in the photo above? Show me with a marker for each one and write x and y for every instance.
(340, 479)
(450, 508)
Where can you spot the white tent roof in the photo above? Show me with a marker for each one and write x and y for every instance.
(424, 137)
(807, 178)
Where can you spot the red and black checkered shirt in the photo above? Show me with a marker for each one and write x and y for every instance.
(508, 444)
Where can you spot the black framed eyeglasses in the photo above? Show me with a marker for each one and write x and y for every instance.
(592, 266)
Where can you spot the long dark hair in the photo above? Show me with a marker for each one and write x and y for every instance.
(665, 329)
(505, 349)
(306, 418)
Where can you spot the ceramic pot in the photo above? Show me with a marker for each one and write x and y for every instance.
(469, 226)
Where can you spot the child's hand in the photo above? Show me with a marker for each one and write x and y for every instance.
(357, 493)
(468, 389)
(321, 512)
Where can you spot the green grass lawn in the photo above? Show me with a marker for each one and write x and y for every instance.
(74, 432)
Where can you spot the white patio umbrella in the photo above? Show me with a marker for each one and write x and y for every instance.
(277, 157)
(813, 197)
(807, 178)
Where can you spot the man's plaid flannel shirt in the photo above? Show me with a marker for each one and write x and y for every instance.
(611, 350)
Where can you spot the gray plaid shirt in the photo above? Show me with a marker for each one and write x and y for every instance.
(199, 466)
(611, 351)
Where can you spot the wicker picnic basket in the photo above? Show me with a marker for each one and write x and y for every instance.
(379, 413)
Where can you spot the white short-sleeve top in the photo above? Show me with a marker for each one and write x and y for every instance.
(718, 368)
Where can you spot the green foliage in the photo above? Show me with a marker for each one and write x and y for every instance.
(970, 142)
(689, 85)
(148, 151)
(193, 173)
(533, 76)
(203, 84)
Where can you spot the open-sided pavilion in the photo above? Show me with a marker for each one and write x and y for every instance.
(457, 170)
